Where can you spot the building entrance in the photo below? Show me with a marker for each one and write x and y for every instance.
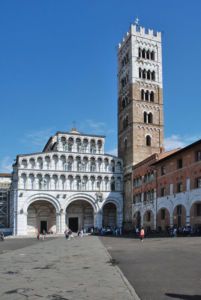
(73, 224)
(43, 226)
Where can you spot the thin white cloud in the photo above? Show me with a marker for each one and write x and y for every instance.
(177, 141)
(6, 164)
(37, 138)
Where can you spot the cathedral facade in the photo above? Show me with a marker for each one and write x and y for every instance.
(71, 183)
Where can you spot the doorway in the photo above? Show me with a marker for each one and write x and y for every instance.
(43, 226)
(73, 224)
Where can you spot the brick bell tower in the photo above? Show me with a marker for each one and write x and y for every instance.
(140, 102)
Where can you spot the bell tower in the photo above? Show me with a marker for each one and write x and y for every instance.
(140, 96)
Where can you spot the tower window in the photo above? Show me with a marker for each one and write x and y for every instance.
(148, 140)
(142, 94)
(152, 55)
(147, 96)
(150, 118)
(140, 73)
(152, 96)
(139, 52)
(153, 76)
(148, 75)
(145, 117)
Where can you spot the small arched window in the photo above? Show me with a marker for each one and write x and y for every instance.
(152, 96)
(148, 140)
(148, 75)
(145, 117)
(123, 103)
(142, 94)
(140, 73)
(147, 96)
(153, 76)
(148, 54)
(152, 55)
(144, 74)
(143, 53)
(150, 118)
(139, 52)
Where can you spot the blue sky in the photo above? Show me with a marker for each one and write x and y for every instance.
(58, 64)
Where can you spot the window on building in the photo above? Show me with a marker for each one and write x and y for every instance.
(145, 117)
(198, 210)
(148, 216)
(144, 74)
(198, 155)
(139, 52)
(162, 192)
(147, 96)
(163, 214)
(198, 182)
(143, 53)
(163, 171)
(142, 94)
(153, 76)
(179, 163)
(148, 140)
(152, 55)
(179, 187)
(140, 73)
(150, 118)
(152, 96)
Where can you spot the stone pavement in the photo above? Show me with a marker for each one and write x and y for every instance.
(59, 269)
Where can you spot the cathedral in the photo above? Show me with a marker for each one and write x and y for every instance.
(74, 183)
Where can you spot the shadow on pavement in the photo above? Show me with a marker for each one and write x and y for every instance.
(184, 297)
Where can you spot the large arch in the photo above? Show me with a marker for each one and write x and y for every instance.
(163, 219)
(80, 215)
(41, 216)
(148, 220)
(109, 214)
(42, 196)
(137, 219)
(195, 216)
(179, 215)
(81, 196)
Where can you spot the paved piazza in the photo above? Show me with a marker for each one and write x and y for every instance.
(58, 269)
(160, 268)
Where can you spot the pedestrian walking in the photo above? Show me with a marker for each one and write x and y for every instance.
(38, 235)
(1, 236)
(66, 233)
(142, 234)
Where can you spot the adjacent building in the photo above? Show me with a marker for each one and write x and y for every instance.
(71, 183)
(167, 190)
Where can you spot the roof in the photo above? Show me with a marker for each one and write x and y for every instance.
(177, 152)
(5, 175)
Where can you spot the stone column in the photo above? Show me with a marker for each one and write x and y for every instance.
(57, 222)
(62, 222)
(98, 219)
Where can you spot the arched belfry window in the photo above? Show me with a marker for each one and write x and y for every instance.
(150, 118)
(140, 73)
(152, 96)
(145, 117)
(152, 55)
(147, 96)
(148, 140)
(153, 76)
(139, 52)
(142, 94)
